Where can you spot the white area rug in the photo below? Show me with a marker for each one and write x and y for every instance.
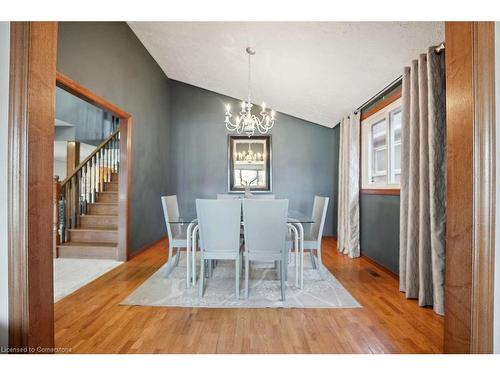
(321, 289)
(72, 274)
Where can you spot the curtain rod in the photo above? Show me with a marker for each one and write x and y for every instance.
(380, 94)
(438, 49)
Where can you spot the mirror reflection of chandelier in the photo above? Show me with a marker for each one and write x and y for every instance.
(246, 122)
(249, 156)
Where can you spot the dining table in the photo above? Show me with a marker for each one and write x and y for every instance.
(295, 222)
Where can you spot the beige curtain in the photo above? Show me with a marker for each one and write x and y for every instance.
(423, 182)
(348, 213)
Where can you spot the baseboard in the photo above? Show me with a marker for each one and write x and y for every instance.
(378, 265)
(138, 252)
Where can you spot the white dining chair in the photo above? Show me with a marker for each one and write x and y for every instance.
(219, 223)
(265, 228)
(241, 196)
(177, 237)
(229, 196)
(312, 238)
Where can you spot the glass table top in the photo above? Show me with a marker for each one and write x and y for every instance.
(293, 217)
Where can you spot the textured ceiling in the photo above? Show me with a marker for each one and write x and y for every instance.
(317, 71)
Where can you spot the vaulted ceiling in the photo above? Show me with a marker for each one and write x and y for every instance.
(317, 71)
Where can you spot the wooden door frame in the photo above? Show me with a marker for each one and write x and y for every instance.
(125, 177)
(33, 79)
(33, 49)
(470, 107)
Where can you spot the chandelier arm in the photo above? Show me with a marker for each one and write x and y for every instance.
(262, 128)
(230, 126)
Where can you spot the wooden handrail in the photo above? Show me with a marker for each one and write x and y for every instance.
(85, 161)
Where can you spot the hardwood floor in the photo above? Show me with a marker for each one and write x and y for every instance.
(92, 321)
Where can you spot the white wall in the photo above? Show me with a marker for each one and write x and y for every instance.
(496, 338)
(4, 105)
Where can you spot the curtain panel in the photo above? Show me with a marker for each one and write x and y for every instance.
(423, 181)
(348, 213)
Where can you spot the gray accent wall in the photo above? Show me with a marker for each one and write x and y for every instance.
(379, 227)
(304, 155)
(90, 124)
(108, 59)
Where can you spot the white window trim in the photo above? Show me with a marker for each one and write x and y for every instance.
(366, 154)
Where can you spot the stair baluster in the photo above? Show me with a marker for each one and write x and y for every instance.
(85, 199)
(81, 188)
(94, 178)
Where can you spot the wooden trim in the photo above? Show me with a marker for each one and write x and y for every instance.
(83, 93)
(471, 161)
(56, 190)
(73, 156)
(383, 268)
(484, 188)
(382, 104)
(125, 189)
(146, 247)
(125, 178)
(31, 142)
(380, 191)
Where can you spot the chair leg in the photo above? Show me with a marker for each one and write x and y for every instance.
(170, 253)
(193, 265)
(313, 262)
(297, 260)
(282, 281)
(177, 256)
(237, 276)
(202, 276)
(210, 268)
(247, 267)
(241, 265)
(286, 264)
(320, 260)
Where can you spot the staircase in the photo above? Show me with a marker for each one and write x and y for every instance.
(87, 206)
(96, 236)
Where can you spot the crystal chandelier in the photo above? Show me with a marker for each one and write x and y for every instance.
(246, 122)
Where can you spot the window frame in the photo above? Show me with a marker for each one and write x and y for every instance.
(367, 124)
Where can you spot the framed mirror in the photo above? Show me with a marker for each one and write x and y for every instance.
(249, 163)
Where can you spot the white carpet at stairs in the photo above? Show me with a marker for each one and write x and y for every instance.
(321, 289)
(72, 274)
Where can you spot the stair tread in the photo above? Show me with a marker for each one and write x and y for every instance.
(88, 244)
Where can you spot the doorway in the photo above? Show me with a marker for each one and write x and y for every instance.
(33, 80)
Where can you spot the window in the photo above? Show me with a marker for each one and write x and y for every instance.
(381, 148)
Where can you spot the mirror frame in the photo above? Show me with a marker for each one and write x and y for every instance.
(230, 164)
